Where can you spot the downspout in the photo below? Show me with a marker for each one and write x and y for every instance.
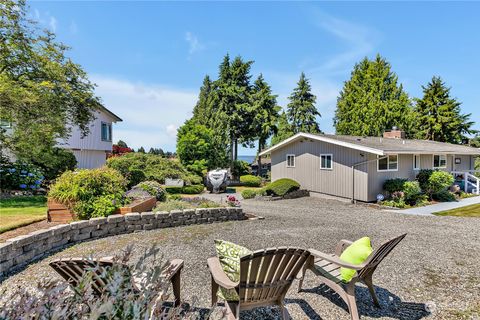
(353, 173)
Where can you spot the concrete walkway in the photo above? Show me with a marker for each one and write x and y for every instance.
(429, 210)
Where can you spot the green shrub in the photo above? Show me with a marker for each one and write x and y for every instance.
(89, 192)
(411, 189)
(240, 168)
(392, 185)
(444, 196)
(251, 181)
(54, 161)
(19, 175)
(193, 189)
(395, 203)
(153, 188)
(249, 194)
(173, 197)
(422, 178)
(439, 181)
(137, 167)
(281, 187)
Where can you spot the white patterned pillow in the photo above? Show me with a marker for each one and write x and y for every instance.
(229, 255)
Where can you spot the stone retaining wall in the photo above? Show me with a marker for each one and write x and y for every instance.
(18, 252)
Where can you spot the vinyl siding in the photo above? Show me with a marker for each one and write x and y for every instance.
(93, 141)
(89, 159)
(307, 172)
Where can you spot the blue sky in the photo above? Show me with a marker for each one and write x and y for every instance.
(149, 58)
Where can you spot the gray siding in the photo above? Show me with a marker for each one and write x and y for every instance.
(338, 181)
(307, 172)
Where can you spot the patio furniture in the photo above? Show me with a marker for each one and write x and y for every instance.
(73, 270)
(327, 268)
(265, 277)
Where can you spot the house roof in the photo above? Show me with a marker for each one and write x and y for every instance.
(381, 146)
(110, 113)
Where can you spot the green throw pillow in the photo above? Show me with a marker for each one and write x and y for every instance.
(356, 253)
(229, 255)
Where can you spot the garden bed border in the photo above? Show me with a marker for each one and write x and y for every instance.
(17, 252)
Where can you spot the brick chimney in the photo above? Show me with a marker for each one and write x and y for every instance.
(395, 133)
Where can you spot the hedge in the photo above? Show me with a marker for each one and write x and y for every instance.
(251, 181)
(281, 187)
(192, 189)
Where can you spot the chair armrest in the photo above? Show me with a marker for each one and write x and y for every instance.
(171, 268)
(335, 259)
(341, 245)
(218, 275)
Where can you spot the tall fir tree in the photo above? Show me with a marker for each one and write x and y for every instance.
(372, 101)
(438, 116)
(284, 130)
(264, 123)
(202, 112)
(301, 111)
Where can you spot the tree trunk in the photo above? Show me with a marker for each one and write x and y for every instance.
(259, 158)
(236, 149)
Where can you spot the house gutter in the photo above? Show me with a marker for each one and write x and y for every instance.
(353, 173)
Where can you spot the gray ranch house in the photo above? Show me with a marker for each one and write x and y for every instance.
(356, 167)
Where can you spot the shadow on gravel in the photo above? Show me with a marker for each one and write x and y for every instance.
(391, 305)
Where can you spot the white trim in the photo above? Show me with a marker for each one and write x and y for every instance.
(439, 154)
(419, 161)
(388, 163)
(286, 160)
(331, 161)
(300, 135)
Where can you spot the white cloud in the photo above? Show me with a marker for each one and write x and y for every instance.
(151, 113)
(194, 44)
(73, 28)
(358, 39)
(53, 23)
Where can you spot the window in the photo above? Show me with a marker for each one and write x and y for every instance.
(388, 163)
(326, 161)
(416, 162)
(439, 161)
(106, 131)
(290, 160)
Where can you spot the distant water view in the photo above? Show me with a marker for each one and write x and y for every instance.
(249, 159)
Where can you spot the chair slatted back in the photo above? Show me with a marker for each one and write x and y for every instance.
(379, 254)
(266, 275)
(74, 270)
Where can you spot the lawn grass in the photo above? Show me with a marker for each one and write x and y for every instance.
(239, 189)
(468, 211)
(20, 211)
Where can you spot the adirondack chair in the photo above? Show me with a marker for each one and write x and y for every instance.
(327, 268)
(73, 270)
(265, 277)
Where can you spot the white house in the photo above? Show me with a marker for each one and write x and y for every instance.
(91, 151)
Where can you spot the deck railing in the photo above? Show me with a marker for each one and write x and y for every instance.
(470, 180)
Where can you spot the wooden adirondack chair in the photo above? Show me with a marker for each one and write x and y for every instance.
(327, 268)
(73, 270)
(265, 277)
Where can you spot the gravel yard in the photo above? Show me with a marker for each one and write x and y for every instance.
(436, 265)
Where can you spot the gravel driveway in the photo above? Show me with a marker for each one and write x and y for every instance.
(436, 265)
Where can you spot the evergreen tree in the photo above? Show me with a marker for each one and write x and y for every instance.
(284, 130)
(301, 111)
(372, 101)
(141, 150)
(202, 112)
(438, 116)
(156, 151)
(122, 144)
(264, 123)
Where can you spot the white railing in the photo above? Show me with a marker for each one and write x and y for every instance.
(469, 180)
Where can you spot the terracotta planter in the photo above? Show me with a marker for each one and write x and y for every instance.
(138, 206)
(57, 212)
